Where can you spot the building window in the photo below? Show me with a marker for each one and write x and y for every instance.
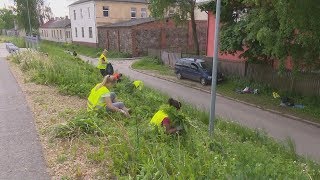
(60, 33)
(133, 13)
(106, 11)
(90, 32)
(143, 12)
(82, 30)
(89, 12)
(74, 15)
(81, 14)
(76, 32)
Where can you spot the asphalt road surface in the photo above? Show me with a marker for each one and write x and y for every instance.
(20, 150)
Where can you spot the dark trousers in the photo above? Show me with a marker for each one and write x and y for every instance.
(103, 72)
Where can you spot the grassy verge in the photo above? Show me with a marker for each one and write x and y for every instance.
(137, 151)
(311, 111)
(93, 52)
(264, 99)
(149, 63)
(18, 41)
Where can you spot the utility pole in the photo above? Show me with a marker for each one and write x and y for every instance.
(29, 17)
(214, 70)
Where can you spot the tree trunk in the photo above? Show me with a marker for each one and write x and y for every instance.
(194, 29)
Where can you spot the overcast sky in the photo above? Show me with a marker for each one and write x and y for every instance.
(59, 7)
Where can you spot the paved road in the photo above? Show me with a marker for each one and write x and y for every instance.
(305, 136)
(20, 150)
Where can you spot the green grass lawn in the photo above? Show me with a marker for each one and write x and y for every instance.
(138, 151)
(264, 99)
(18, 41)
(149, 63)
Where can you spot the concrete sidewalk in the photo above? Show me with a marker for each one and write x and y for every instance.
(21, 154)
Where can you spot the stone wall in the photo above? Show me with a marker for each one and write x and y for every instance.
(137, 39)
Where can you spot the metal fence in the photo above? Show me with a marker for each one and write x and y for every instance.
(306, 83)
(32, 42)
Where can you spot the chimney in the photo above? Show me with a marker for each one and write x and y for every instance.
(67, 17)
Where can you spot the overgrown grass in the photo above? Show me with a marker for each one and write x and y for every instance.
(18, 41)
(71, 75)
(137, 151)
(94, 52)
(151, 63)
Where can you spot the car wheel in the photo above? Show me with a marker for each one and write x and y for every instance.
(179, 76)
(203, 81)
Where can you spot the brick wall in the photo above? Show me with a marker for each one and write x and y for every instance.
(156, 35)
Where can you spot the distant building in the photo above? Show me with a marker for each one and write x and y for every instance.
(87, 15)
(58, 30)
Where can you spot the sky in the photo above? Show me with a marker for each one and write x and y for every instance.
(59, 7)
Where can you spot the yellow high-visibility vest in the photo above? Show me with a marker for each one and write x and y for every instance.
(158, 118)
(138, 84)
(100, 65)
(94, 98)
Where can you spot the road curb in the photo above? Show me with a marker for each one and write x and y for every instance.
(233, 99)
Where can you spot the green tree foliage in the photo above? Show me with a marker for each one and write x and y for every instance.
(182, 11)
(268, 30)
(6, 19)
(22, 13)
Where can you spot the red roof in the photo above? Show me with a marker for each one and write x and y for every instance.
(47, 24)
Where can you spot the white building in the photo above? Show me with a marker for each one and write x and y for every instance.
(58, 30)
(83, 23)
(87, 15)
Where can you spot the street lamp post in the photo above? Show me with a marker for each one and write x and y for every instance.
(214, 69)
(29, 17)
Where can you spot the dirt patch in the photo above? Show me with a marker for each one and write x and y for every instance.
(66, 159)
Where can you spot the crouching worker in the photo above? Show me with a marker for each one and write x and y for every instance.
(101, 97)
(163, 119)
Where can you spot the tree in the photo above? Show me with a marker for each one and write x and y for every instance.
(268, 30)
(44, 12)
(6, 19)
(23, 16)
(184, 9)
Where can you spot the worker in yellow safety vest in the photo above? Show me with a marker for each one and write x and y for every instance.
(102, 63)
(162, 119)
(101, 97)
